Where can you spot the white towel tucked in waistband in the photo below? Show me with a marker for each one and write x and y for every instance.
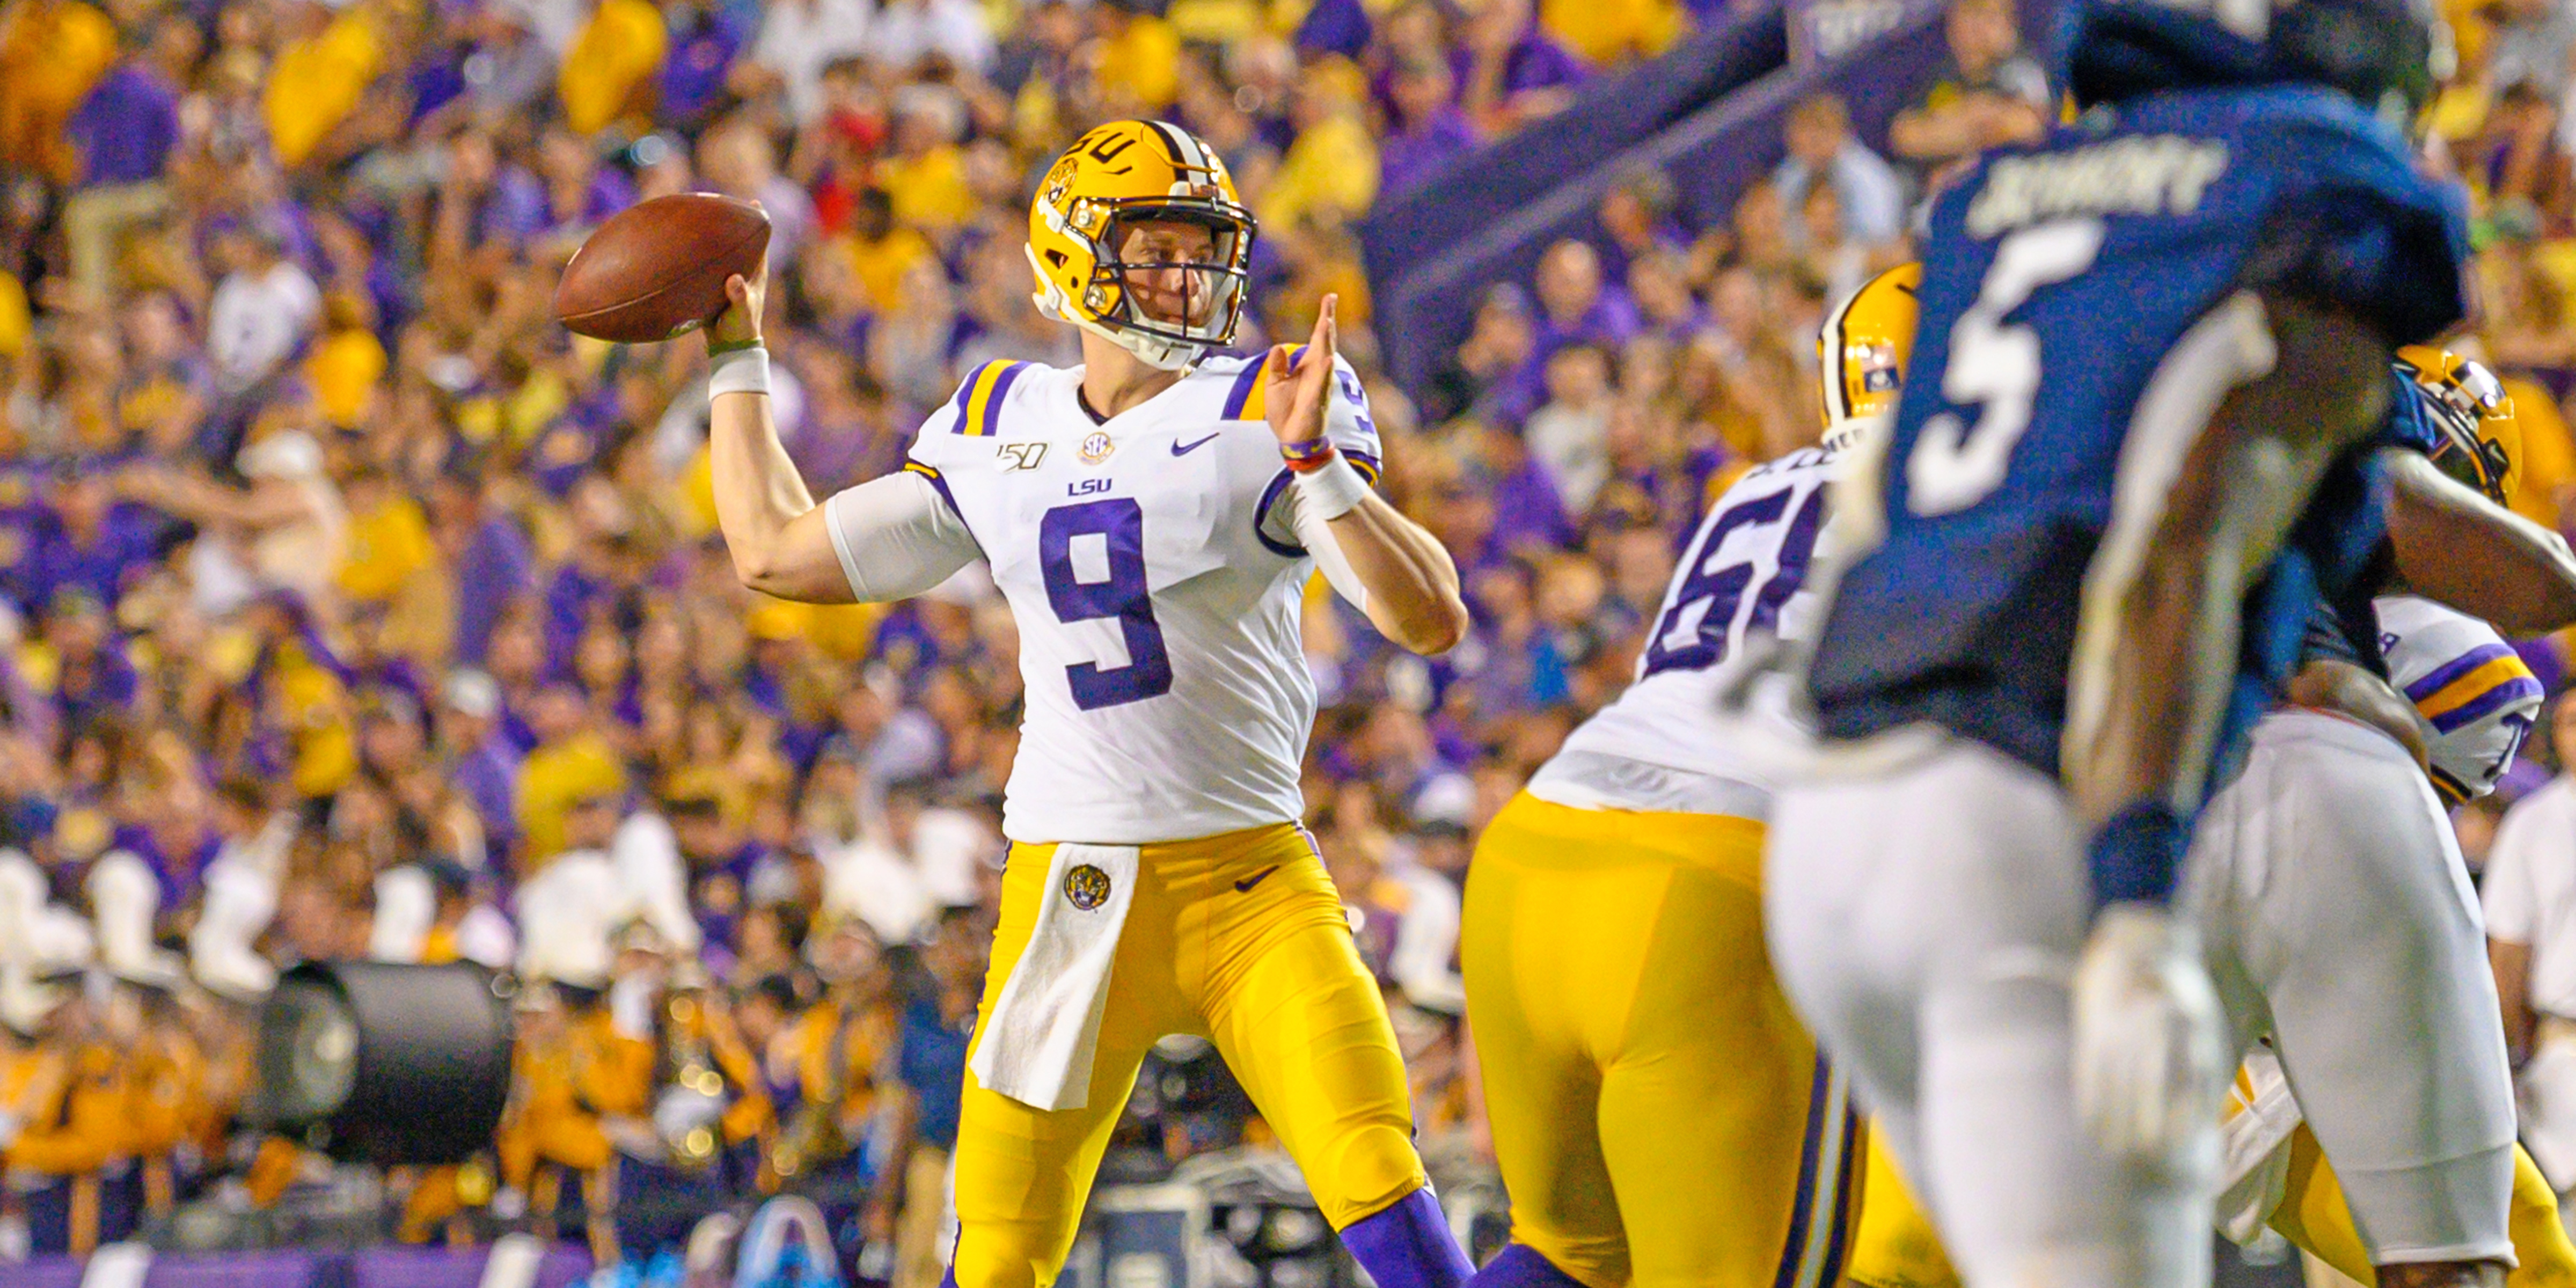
(2257, 1175)
(1037, 1045)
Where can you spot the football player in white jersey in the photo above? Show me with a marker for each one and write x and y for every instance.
(1151, 517)
(2337, 913)
(2478, 702)
(1660, 1115)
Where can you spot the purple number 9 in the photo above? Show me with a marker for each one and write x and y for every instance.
(1122, 594)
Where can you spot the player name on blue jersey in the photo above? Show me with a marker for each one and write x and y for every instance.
(2164, 174)
(2085, 303)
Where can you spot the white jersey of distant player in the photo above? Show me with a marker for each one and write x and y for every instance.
(1156, 579)
(1741, 587)
(2470, 686)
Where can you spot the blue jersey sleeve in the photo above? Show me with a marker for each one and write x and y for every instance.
(2410, 421)
(2352, 225)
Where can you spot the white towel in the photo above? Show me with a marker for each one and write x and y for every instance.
(2257, 1174)
(1037, 1045)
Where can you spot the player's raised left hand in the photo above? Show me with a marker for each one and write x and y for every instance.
(1296, 394)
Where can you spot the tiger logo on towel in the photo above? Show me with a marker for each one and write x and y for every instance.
(1086, 887)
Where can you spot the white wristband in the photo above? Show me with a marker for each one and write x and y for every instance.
(1335, 490)
(742, 371)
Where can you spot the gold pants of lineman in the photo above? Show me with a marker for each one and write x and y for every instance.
(1660, 1114)
(1896, 1247)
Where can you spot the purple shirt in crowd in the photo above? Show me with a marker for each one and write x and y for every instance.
(1611, 322)
(1409, 159)
(497, 568)
(693, 76)
(489, 778)
(124, 542)
(1535, 61)
(126, 127)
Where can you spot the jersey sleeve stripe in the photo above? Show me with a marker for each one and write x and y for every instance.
(1245, 393)
(992, 419)
(984, 404)
(939, 485)
(2513, 689)
(1249, 399)
(1366, 464)
(970, 397)
(1261, 517)
(2442, 677)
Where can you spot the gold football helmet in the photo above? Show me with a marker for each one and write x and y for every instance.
(1865, 345)
(1119, 176)
(2481, 440)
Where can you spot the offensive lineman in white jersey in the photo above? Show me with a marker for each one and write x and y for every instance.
(2336, 910)
(2478, 701)
(1151, 517)
(1660, 1115)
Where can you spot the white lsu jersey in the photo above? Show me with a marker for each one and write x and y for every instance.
(2468, 684)
(1663, 745)
(1154, 574)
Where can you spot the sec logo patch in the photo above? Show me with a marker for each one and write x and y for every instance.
(1096, 448)
(1086, 887)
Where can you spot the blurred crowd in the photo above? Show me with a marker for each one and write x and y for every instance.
(352, 608)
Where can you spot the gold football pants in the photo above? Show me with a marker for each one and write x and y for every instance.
(1896, 1246)
(1240, 939)
(1660, 1114)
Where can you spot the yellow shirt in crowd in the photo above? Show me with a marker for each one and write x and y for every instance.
(1607, 31)
(928, 191)
(880, 264)
(2548, 456)
(1329, 174)
(388, 545)
(51, 53)
(553, 779)
(343, 370)
(317, 82)
(16, 321)
(1141, 65)
(314, 708)
(615, 55)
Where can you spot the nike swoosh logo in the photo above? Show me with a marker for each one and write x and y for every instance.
(1184, 449)
(1245, 885)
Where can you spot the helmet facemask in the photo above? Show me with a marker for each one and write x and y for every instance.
(1212, 287)
(2471, 415)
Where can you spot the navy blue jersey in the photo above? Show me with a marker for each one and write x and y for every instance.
(2344, 625)
(2059, 282)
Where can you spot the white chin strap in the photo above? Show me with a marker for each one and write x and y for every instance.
(1153, 351)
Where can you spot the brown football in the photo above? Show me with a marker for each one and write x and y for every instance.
(658, 269)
